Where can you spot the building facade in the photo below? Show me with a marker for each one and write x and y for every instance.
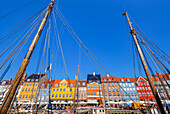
(111, 91)
(29, 88)
(82, 91)
(144, 90)
(94, 89)
(128, 89)
(63, 90)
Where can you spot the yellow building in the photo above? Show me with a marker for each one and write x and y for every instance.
(63, 90)
(29, 88)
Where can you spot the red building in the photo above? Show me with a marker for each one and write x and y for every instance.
(144, 90)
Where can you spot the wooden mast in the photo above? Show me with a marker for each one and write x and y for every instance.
(12, 90)
(133, 33)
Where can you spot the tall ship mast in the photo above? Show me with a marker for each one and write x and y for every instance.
(12, 90)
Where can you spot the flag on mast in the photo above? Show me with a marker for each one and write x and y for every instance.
(48, 68)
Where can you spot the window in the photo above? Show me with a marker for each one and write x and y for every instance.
(121, 80)
(35, 89)
(26, 89)
(104, 79)
(100, 87)
(59, 95)
(110, 94)
(141, 83)
(66, 95)
(114, 94)
(53, 89)
(60, 89)
(94, 87)
(149, 88)
(23, 89)
(64, 84)
(148, 93)
(117, 89)
(118, 94)
(28, 84)
(64, 89)
(113, 89)
(25, 84)
(127, 89)
(108, 79)
(84, 94)
(108, 84)
(83, 83)
(78, 83)
(57, 89)
(29, 96)
(97, 87)
(94, 93)
(32, 96)
(20, 96)
(36, 84)
(67, 89)
(132, 84)
(112, 84)
(70, 89)
(23, 96)
(91, 93)
(52, 95)
(29, 89)
(128, 80)
(56, 95)
(70, 95)
(56, 85)
(109, 89)
(146, 88)
(88, 93)
(63, 95)
(32, 89)
(104, 89)
(130, 89)
(88, 87)
(97, 93)
(36, 80)
(61, 84)
(71, 85)
(91, 87)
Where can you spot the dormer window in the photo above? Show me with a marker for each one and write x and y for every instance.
(122, 80)
(108, 79)
(113, 79)
(104, 79)
(128, 80)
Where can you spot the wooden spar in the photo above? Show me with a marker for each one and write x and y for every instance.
(76, 105)
(77, 86)
(12, 90)
(160, 106)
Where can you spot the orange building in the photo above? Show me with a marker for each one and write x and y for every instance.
(94, 89)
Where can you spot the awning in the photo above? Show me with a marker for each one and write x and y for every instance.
(92, 102)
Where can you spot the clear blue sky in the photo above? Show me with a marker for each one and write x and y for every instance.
(102, 28)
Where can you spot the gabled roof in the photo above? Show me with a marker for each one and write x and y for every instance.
(34, 76)
(126, 79)
(92, 77)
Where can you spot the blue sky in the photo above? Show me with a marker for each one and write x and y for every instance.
(102, 28)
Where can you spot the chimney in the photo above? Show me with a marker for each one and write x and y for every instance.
(107, 75)
(93, 73)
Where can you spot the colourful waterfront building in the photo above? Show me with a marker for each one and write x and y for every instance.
(144, 90)
(94, 89)
(82, 92)
(44, 92)
(29, 88)
(63, 90)
(128, 90)
(111, 91)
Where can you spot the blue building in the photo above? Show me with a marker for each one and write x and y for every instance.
(128, 90)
